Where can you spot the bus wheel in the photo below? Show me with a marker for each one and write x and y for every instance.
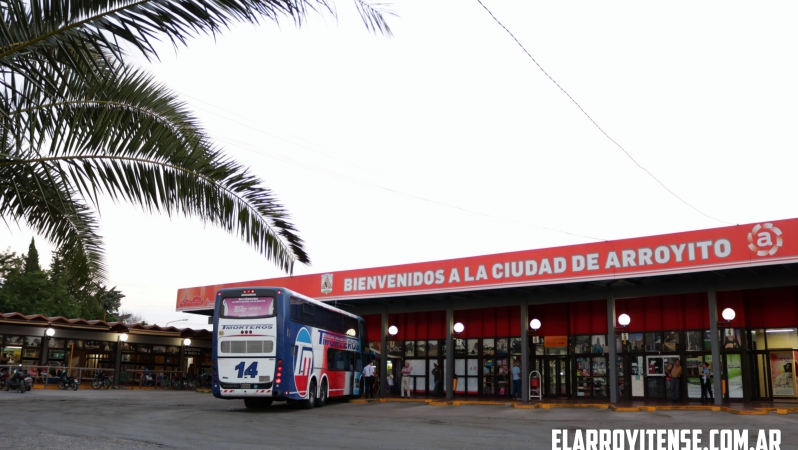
(322, 398)
(311, 400)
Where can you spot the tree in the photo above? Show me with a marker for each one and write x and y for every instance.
(130, 318)
(32, 258)
(78, 123)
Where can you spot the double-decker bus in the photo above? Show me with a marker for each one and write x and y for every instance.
(271, 344)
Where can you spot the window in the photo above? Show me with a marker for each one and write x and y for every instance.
(340, 360)
(248, 307)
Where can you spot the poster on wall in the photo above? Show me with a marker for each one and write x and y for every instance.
(735, 375)
(781, 364)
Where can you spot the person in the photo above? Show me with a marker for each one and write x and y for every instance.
(406, 371)
(436, 378)
(368, 373)
(706, 384)
(674, 371)
(517, 381)
(391, 384)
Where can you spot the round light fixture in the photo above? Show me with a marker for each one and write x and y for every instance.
(624, 319)
(459, 327)
(728, 314)
(534, 324)
(123, 337)
(186, 342)
(392, 330)
(50, 332)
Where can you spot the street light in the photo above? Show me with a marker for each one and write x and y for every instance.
(172, 321)
(729, 315)
(535, 325)
(186, 342)
(624, 320)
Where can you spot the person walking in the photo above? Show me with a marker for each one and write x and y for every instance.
(368, 374)
(706, 384)
(406, 370)
(517, 381)
(674, 371)
(436, 378)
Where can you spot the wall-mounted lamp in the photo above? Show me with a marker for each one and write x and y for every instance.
(534, 324)
(186, 342)
(123, 337)
(458, 328)
(624, 321)
(392, 332)
(50, 332)
(729, 315)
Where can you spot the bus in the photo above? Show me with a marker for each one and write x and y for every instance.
(271, 344)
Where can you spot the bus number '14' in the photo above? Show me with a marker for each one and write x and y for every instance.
(252, 370)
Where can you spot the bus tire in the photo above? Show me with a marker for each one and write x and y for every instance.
(322, 398)
(311, 400)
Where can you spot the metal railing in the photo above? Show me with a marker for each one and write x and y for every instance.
(164, 379)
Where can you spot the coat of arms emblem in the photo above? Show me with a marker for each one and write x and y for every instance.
(326, 283)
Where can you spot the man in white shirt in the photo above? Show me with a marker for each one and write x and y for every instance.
(368, 374)
(406, 370)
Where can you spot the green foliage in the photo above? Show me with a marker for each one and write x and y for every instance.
(32, 258)
(77, 123)
(54, 292)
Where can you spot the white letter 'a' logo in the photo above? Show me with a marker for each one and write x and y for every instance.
(768, 240)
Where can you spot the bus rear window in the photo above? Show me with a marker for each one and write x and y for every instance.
(248, 307)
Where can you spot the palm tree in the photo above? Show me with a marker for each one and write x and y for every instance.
(77, 123)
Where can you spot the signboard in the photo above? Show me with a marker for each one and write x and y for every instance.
(718, 248)
(555, 341)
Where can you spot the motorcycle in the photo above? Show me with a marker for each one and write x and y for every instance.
(102, 380)
(65, 381)
(18, 381)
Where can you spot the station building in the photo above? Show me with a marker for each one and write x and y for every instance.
(674, 288)
(83, 346)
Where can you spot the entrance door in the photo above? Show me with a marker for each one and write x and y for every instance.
(555, 378)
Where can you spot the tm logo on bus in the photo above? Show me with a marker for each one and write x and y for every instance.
(303, 364)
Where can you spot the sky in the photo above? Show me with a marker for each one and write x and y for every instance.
(447, 140)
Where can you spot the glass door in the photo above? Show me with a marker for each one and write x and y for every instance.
(556, 376)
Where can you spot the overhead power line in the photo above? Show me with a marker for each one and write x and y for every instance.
(593, 121)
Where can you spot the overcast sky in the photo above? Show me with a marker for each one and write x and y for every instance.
(448, 141)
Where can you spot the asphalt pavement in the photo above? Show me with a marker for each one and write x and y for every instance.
(134, 419)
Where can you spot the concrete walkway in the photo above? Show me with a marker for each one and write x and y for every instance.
(743, 408)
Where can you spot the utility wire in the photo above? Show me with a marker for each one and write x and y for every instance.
(255, 149)
(593, 121)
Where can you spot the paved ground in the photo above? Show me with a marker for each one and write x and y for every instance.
(136, 419)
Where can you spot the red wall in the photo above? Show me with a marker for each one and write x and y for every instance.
(760, 308)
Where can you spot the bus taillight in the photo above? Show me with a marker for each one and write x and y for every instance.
(279, 377)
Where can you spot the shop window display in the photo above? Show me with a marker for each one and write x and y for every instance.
(670, 341)
(653, 342)
(694, 341)
(421, 348)
(636, 343)
(432, 348)
(488, 346)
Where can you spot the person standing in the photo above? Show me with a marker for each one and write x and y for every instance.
(674, 371)
(436, 378)
(406, 370)
(517, 381)
(706, 384)
(368, 374)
